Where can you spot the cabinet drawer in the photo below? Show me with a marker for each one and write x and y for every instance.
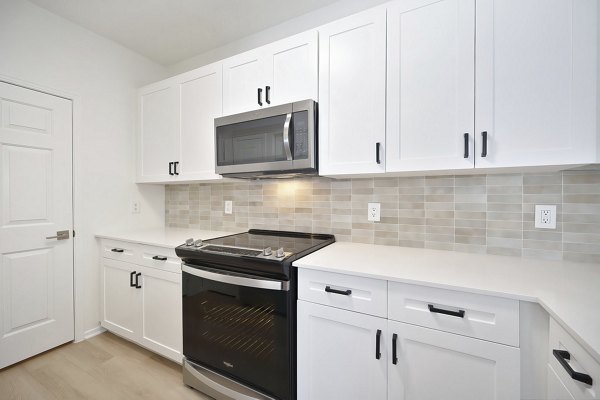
(160, 257)
(578, 359)
(117, 250)
(353, 293)
(483, 317)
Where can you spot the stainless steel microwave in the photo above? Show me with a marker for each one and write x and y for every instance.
(275, 142)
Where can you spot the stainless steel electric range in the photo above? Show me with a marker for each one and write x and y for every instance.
(239, 312)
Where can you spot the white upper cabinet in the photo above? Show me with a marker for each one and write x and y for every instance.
(430, 85)
(278, 73)
(176, 132)
(159, 131)
(201, 102)
(352, 65)
(244, 84)
(293, 68)
(536, 82)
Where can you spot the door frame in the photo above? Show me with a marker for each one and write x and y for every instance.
(78, 256)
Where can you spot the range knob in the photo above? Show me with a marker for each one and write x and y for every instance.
(198, 243)
(189, 242)
(280, 253)
(267, 251)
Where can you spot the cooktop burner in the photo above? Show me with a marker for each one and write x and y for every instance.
(263, 252)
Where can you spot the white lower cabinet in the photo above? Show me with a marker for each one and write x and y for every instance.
(143, 304)
(556, 388)
(337, 354)
(431, 364)
(344, 354)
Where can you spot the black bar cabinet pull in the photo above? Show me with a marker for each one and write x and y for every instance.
(260, 97)
(378, 344)
(459, 313)
(394, 349)
(328, 289)
(562, 356)
(484, 144)
(117, 250)
(171, 168)
(466, 136)
(137, 280)
(175, 164)
(131, 284)
(377, 147)
(268, 94)
(159, 258)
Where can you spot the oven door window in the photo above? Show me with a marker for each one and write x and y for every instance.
(241, 332)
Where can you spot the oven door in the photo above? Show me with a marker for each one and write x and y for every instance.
(240, 327)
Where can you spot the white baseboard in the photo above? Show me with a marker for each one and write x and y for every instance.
(90, 333)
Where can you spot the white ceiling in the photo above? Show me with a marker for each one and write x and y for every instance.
(169, 31)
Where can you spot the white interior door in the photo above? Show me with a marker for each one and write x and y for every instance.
(36, 273)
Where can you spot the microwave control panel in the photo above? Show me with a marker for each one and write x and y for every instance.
(300, 135)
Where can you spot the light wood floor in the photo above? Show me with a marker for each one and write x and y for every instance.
(103, 367)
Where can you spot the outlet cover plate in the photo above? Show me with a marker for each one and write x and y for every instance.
(545, 216)
(228, 207)
(374, 212)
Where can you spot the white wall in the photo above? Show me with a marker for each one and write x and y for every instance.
(45, 50)
(299, 24)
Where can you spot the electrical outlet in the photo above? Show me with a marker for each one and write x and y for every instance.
(135, 207)
(545, 217)
(374, 212)
(228, 207)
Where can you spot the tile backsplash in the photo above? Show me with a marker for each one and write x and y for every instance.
(491, 214)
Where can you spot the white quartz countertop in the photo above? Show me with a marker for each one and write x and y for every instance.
(570, 292)
(163, 237)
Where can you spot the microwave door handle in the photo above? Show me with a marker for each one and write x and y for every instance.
(286, 137)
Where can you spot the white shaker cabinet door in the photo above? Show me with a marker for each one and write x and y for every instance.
(352, 65)
(430, 95)
(556, 388)
(121, 300)
(536, 82)
(337, 354)
(292, 69)
(161, 312)
(159, 132)
(433, 365)
(244, 80)
(201, 102)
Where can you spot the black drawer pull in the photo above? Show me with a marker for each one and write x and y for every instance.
(394, 349)
(175, 164)
(328, 289)
(562, 356)
(137, 280)
(484, 139)
(117, 250)
(459, 313)
(466, 137)
(159, 258)
(260, 97)
(377, 147)
(378, 344)
(171, 168)
(267, 94)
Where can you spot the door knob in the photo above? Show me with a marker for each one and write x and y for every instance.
(60, 235)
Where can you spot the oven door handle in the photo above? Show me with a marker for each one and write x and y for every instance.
(234, 279)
